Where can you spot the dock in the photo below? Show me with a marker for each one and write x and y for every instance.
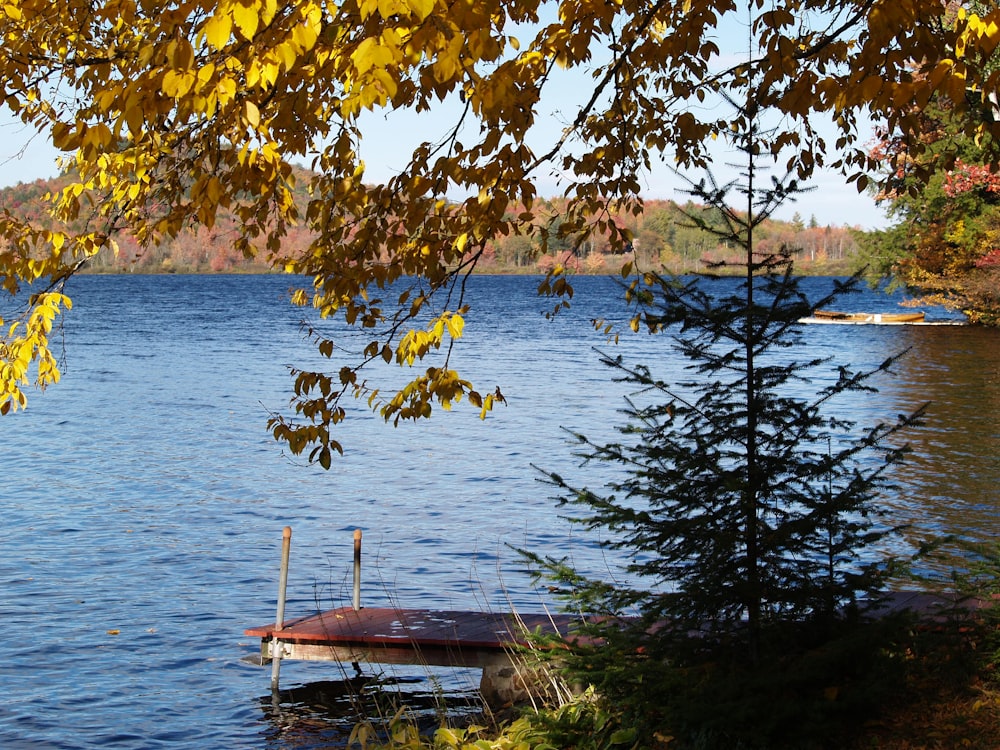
(448, 638)
(491, 641)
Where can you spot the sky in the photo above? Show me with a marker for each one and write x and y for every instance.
(388, 142)
(25, 157)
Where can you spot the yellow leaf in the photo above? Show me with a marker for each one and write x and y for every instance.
(269, 9)
(389, 8)
(206, 73)
(455, 326)
(215, 189)
(180, 53)
(252, 114)
(487, 406)
(306, 33)
(225, 89)
(870, 87)
(246, 19)
(370, 54)
(218, 29)
(98, 135)
(134, 117)
(105, 100)
(177, 83)
(421, 8)
(286, 53)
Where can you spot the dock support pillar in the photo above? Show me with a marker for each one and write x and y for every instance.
(357, 570)
(286, 544)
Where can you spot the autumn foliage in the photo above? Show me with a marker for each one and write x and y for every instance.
(945, 243)
(174, 115)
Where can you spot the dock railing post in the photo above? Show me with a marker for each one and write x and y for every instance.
(357, 570)
(286, 544)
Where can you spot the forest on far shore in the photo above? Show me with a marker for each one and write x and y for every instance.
(665, 240)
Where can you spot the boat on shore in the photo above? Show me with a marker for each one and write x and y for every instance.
(878, 319)
(863, 317)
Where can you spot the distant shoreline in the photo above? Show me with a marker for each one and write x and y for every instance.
(802, 268)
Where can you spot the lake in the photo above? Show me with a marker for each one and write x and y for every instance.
(144, 499)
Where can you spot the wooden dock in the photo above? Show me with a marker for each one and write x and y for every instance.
(453, 638)
(490, 641)
(407, 636)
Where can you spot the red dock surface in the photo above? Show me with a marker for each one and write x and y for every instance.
(459, 638)
(407, 636)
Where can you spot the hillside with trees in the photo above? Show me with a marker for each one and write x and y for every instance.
(664, 234)
(666, 238)
(195, 249)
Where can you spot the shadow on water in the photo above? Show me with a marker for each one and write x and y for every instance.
(323, 714)
(948, 484)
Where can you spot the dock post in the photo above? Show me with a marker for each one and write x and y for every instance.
(357, 570)
(286, 544)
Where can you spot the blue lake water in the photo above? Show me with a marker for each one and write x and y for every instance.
(143, 498)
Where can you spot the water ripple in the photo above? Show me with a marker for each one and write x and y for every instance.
(144, 499)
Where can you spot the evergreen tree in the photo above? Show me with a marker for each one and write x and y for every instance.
(746, 512)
